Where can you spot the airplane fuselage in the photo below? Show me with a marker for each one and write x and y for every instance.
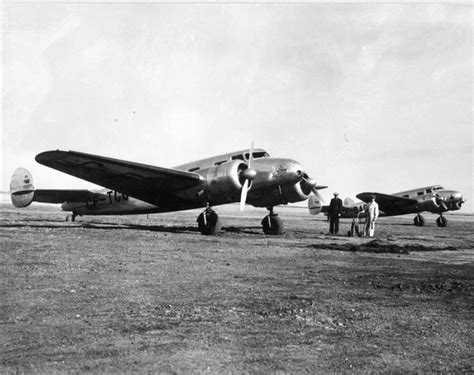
(278, 181)
(434, 199)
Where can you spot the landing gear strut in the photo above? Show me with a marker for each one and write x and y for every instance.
(441, 221)
(71, 217)
(419, 220)
(208, 222)
(272, 224)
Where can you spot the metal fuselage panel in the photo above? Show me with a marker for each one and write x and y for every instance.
(434, 199)
(107, 202)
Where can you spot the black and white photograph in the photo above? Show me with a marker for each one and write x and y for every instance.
(236, 187)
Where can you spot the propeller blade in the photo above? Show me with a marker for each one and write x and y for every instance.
(243, 195)
(251, 154)
(249, 174)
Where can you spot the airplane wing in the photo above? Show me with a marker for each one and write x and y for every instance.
(61, 196)
(146, 182)
(389, 204)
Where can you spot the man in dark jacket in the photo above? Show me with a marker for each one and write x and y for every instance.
(334, 211)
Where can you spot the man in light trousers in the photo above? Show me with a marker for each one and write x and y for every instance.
(372, 215)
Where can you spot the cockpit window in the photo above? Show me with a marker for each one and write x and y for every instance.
(238, 157)
(256, 155)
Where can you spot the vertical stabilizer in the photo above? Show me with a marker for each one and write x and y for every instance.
(22, 190)
(314, 205)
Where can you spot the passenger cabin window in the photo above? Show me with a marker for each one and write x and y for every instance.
(193, 169)
(220, 162)
(406, 196)
(428, 191)
(420, 193)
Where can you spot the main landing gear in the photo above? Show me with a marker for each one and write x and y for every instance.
(71, 217)
(441, 221)
(419, 220)
(208, 221)
(272, 224)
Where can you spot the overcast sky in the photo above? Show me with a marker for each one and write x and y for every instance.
(368, 97)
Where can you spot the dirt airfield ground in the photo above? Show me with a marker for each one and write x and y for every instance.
(137, 294)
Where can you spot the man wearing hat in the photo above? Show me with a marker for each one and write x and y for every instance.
(334, 211)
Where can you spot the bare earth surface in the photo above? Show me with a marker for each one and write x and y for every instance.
(137, 294)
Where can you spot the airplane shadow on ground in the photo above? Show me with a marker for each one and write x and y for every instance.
(117, 226)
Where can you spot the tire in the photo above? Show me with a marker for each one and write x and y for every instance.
(442, 221)
(419, 221)
(210, 225)
(272, 225)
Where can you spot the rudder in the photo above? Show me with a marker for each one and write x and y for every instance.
(314, 205)
(22, 190)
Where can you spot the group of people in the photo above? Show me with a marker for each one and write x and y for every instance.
(370, 212)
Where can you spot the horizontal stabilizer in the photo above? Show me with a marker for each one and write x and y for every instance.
(61, 196)
(23, 192)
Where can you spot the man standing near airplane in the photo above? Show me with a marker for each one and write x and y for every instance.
(334, 211)
(372, 215)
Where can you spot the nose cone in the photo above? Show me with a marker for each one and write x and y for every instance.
(249, 174)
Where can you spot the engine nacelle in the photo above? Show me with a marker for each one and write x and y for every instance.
(22, 190)
(294, 193)
(223, 182)
(432, 206)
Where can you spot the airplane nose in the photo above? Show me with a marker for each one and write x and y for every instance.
(456, 196)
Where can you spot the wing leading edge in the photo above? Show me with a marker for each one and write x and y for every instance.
(145, 182)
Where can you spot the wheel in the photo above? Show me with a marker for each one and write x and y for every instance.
(272, 224)
(71, 217)
(441, 221)
(209, 223)
(419, 221)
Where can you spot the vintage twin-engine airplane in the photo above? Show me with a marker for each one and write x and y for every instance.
(249, 176)
(435, 199)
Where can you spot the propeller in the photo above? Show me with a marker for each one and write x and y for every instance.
(309, 185)
(440, 201)
(248, 174)
(317, 194)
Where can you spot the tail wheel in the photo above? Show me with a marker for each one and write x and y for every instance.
(272, 224)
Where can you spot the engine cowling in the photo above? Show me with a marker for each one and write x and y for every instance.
(295, 193)
(224, 182)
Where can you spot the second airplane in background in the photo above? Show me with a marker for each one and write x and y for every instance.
(435, 199)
